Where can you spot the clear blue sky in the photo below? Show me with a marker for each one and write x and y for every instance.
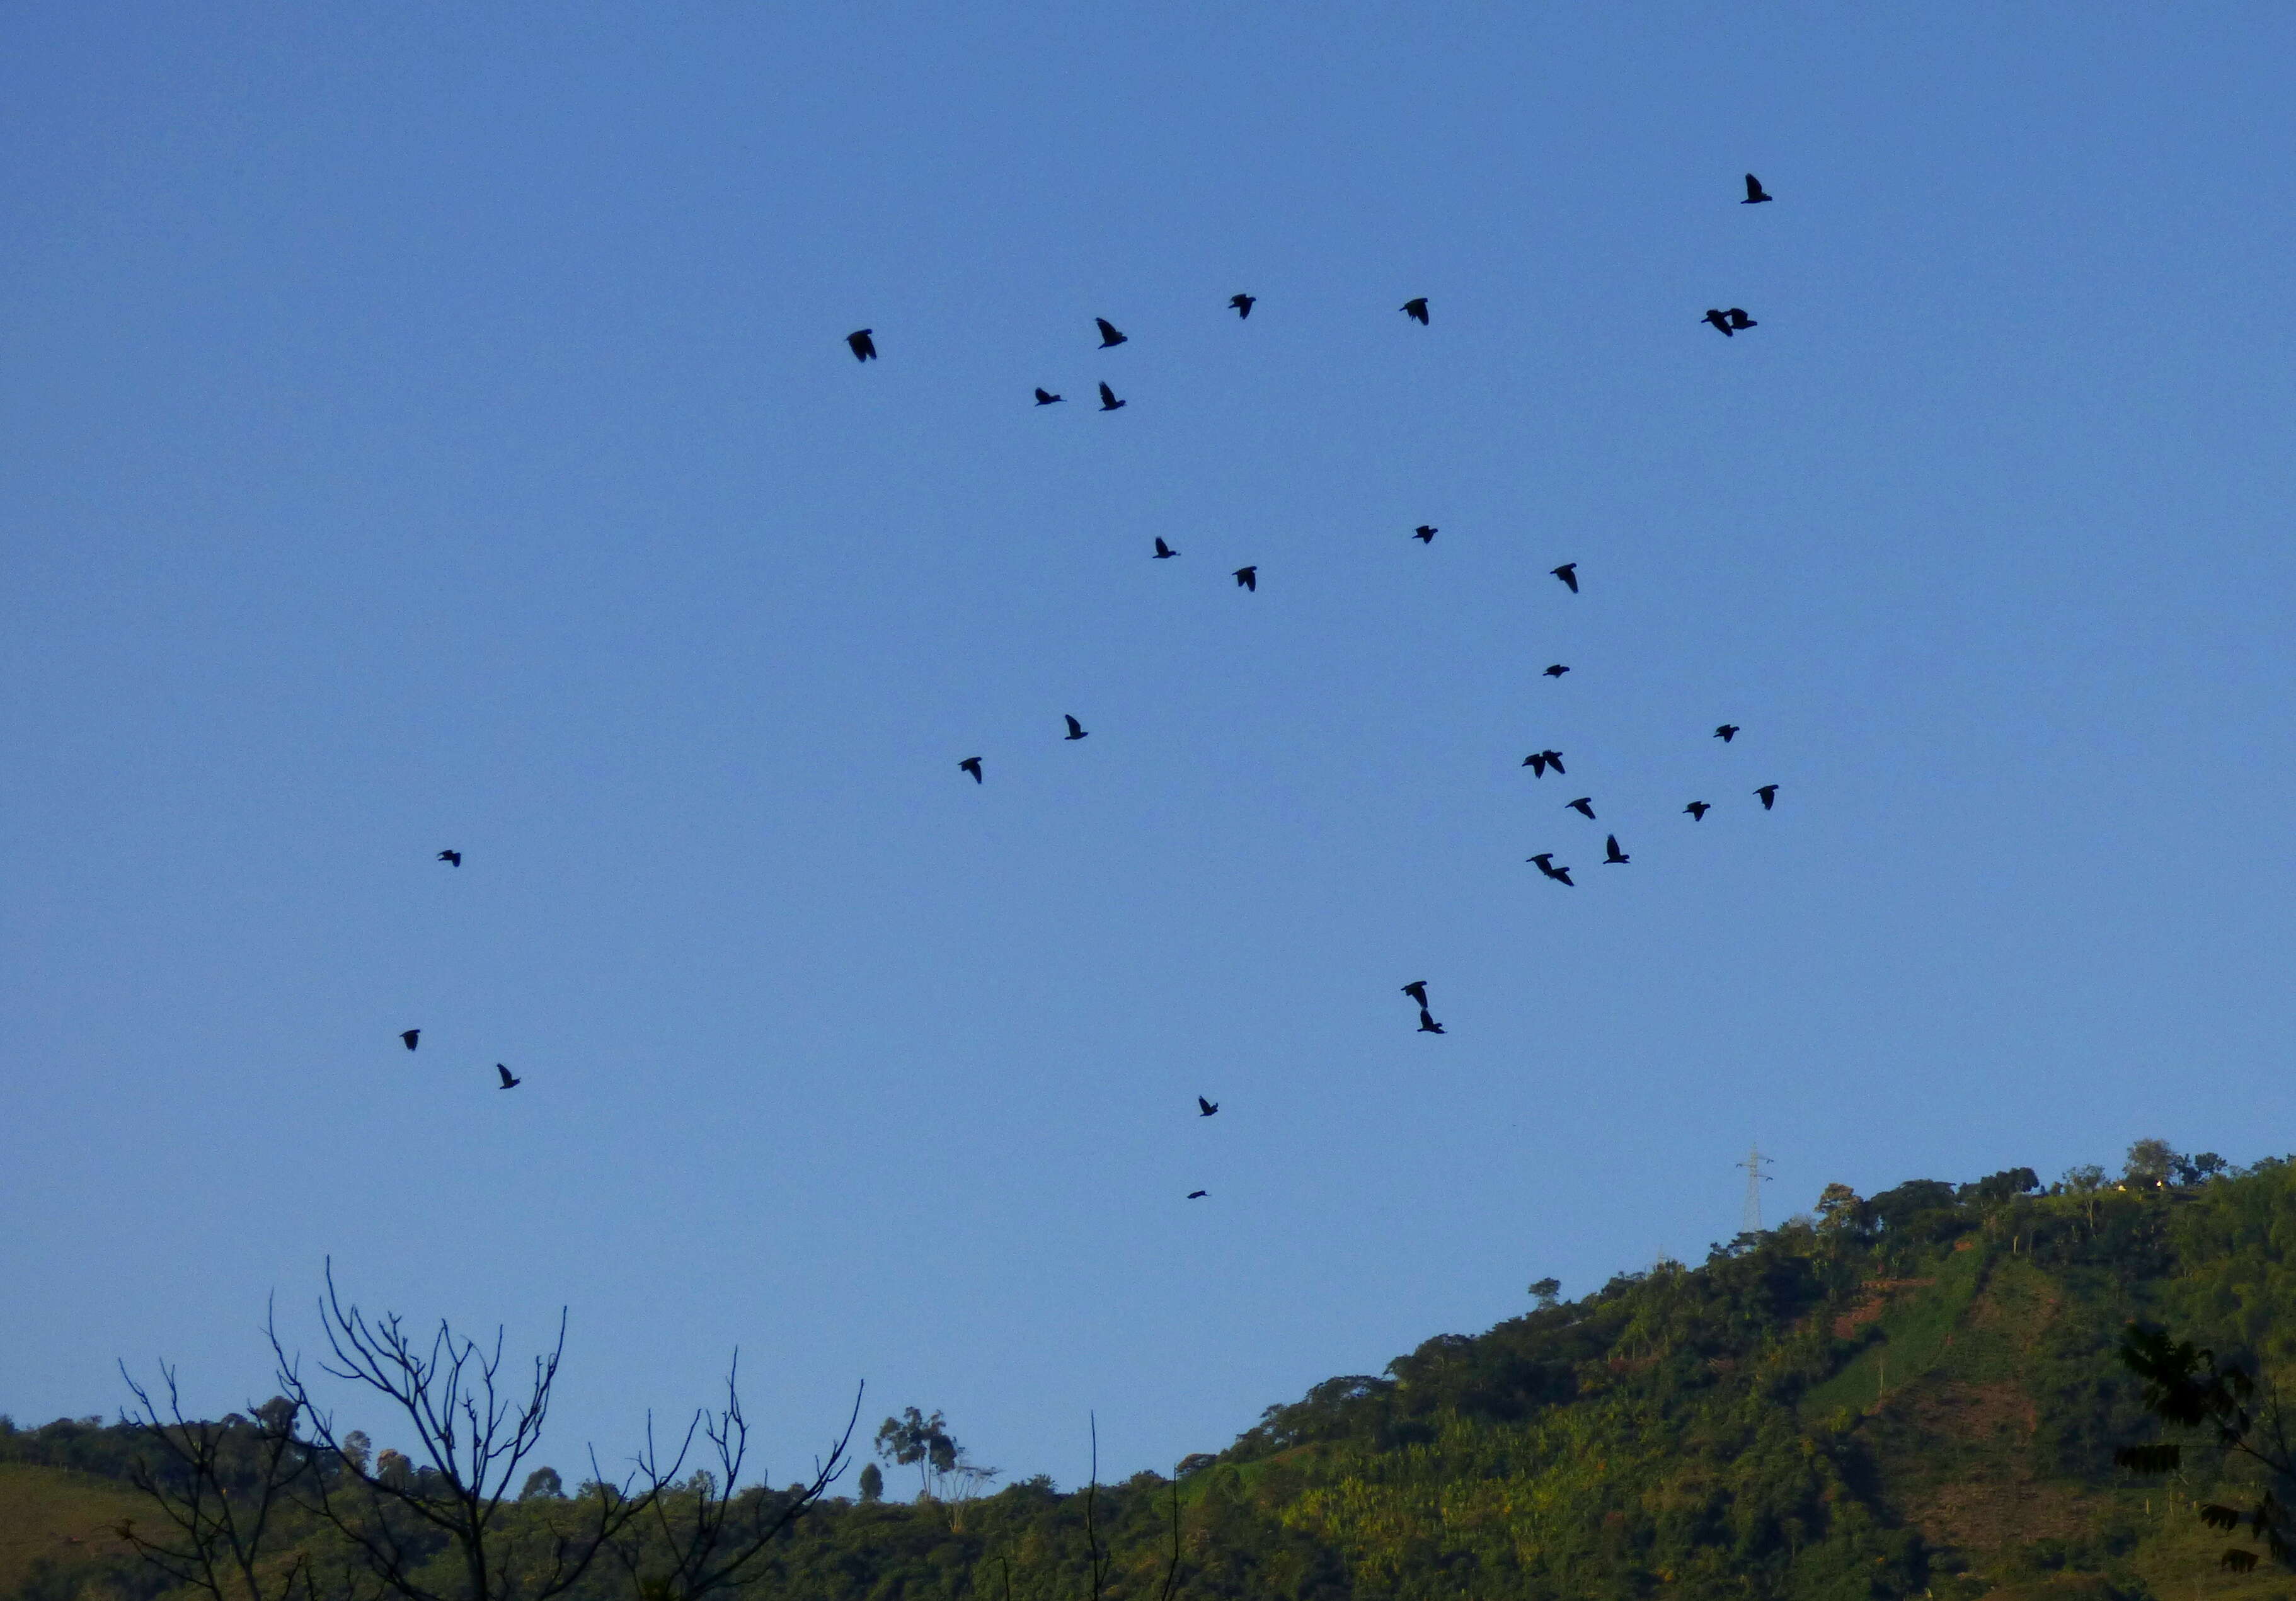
(431, 426)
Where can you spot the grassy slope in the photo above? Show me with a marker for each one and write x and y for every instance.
(62, 1517)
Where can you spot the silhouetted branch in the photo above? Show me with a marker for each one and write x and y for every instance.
(2188, 1386)
(218, 1541)
(1172, 1573)
(727, 1531)
(1099, 1565)
(473, 1432)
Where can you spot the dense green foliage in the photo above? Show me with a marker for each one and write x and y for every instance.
(1914, 1394)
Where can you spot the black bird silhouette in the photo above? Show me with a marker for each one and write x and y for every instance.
(1164, 552)
(1537, 762)
(1109, 337)
(1569, 573)
(1244, 304)
(1046, 398)
(1612, 856)
(1553, 760)
(1417, 309)
(1584, 806)
(452, 858)
(970, 764)
(1755, 195)
(865, 349)
(1425, 534)
(1720, 319)
(1727, 733)
(1698, 810)
(1108, 400)
(1769, 794)
(1249, 578)
(1075, 729)
(1545, 862)
(1738, 321)
(1206, 1108)
(410, 1037)
(1427, 1024)
(1198, 1195)
(1556, 671)
(1417, 990)
(508, 1082)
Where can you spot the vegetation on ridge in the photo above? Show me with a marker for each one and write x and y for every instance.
(1918, 1393)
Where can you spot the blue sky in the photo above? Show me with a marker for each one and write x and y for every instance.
(434, 429)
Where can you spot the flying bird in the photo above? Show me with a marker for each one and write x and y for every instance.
(970, 764)
(1075, 729)
(1417, 990)
(1720, 319)
(452, 858)
(1198, 1195)
(1556, 671)
(1769, 794)
(1553, 760)
(1738, 321)
(1417, 309)
(1108, 400)
(410, 1037)
(1755, 194)
(1569, 573)
(1206, 1108)
(1584, 806)
(1612, 856)
(1242, 304)
(1425, 534)
(1109, 337)
(865, 349)
(1545, 862)
(1698, 810)
(508, 1082)
(1427, 1024)
(1727, 733)
(1537, 762)
(1164, 552)
(1248, 577)
(1046, 398)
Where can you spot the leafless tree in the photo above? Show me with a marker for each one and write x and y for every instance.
(472, 1426)
(223, 1491)
(707, 1534)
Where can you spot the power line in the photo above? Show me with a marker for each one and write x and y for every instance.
(1755, 1178)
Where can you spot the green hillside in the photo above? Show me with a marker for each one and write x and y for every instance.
(1911, 1395)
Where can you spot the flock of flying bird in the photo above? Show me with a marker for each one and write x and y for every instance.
(1731, 322)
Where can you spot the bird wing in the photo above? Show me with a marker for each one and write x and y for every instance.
(1074, 727)
(506, 1079)
(1107, 395)
(1753, 187)
(1206, 1107)
(1108, 330)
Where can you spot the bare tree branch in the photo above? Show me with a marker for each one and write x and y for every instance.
(713, 1531)
(216, 1541)
(473, 1429)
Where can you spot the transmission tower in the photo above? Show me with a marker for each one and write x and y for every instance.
(1755, 1178)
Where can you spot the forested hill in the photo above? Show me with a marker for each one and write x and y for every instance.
(1914, 1394)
